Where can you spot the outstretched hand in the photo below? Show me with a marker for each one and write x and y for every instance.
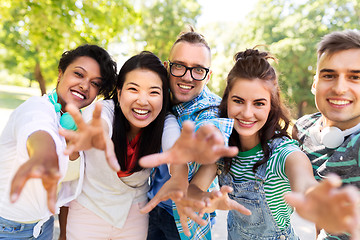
(176, 190)
(219, 200)
(205, 146)
(45, 168)
(188, 208)
(170, 190)
(89, 135)
(329, 207)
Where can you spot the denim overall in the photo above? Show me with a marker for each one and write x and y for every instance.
(15, 230)
(260, 225)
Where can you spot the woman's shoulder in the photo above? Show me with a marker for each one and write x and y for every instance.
(107, 109)
(281, 148)
(35, 105)
(280, 143)
(35, 100)
(108, 103)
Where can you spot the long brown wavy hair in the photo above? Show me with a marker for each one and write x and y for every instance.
(253, 64)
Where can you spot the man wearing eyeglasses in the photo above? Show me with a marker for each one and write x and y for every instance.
(189, 72)
(186, 83)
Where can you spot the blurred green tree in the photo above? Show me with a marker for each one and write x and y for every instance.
(289, 29)
(162, 21)
(293, 36)
(33, 34)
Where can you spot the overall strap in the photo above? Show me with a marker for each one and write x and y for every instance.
(261, 171)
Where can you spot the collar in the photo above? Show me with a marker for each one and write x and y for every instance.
(204, 100)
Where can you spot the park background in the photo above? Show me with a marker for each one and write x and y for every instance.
(34, 34)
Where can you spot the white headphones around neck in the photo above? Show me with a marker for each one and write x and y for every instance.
(332, 137)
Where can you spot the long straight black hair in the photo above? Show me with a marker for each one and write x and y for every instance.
(150, 139)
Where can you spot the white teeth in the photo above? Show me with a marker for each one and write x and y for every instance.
(78, 95)
(245, 122)
(184, 86)
(140, 111)
(339, 102)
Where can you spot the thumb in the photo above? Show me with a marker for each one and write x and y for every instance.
(111, 156)
(295, 199)
(150, 205)
(154, 160)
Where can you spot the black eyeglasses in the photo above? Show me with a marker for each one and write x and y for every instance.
(179, 70)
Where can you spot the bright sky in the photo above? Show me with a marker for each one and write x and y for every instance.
(224, 10)
(212, 11)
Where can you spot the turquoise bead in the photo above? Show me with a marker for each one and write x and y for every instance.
(67, 122)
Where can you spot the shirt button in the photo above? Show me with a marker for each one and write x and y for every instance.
(282, 237)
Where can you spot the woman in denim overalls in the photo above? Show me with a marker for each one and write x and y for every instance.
(269, 163)
(251, 194)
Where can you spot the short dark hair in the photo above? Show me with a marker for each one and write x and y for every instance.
(150, 139)
(108, 68)
(338, 41)
(253, 64)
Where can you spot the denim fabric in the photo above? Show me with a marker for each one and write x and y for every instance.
(260, 224)
(16, 231)
(158, 177)
(162, 225)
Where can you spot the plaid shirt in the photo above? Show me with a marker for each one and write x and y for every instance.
(202, 110)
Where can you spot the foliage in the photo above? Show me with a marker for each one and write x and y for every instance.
(290, 30)
(37, 32)
(294, 38)
(162, 21)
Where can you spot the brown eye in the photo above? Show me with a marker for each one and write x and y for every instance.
(96, 84)
(199, 70)
(79, 74)
(328, 76)
(259, 104)
(354, 77)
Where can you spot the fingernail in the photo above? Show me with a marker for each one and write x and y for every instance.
(13, 197)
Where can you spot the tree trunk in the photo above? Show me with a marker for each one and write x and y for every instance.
(39, 77)
(301, 107)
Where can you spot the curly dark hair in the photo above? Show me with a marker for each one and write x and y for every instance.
(253, 64)
(108, 67)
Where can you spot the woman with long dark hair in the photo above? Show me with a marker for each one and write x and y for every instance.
(133, 117)
(269, 163)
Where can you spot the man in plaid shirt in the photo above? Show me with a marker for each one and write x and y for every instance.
(189, 72)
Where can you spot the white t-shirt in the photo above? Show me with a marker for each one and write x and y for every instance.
(171, 132)
(104, 193)
(37, 113)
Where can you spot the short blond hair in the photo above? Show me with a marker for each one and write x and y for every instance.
(191, 36)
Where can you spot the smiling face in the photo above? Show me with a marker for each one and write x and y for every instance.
(141, 98)
(80, 82)
(185, 88)
(249, 105)
(337, 88)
